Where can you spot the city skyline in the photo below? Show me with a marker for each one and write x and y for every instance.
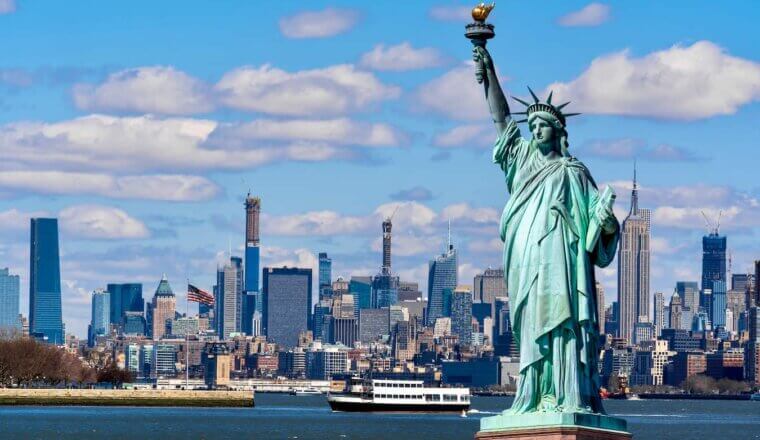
(164, 190)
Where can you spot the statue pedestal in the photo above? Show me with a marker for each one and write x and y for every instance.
(553, 426)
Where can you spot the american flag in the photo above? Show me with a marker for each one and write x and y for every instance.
(195, 294)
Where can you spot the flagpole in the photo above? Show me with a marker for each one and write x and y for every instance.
(187, 338)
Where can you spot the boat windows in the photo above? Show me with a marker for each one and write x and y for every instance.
(432, 397)
(449, 397)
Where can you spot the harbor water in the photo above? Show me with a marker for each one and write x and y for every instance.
(279, 416)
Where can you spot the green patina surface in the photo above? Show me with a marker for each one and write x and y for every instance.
(506, 422)
(556, 228)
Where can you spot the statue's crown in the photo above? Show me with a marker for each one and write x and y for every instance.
(538, 106)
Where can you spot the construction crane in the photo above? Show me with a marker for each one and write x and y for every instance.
(712, 230)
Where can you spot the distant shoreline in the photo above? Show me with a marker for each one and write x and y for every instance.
(121, 397)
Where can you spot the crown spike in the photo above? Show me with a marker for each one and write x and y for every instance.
(535, 98)
(521, 101)
(519, 113)
(549, 98)
(567, 115)
(521, 121)
(561, 106)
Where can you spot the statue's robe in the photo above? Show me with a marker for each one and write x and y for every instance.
(550, 275)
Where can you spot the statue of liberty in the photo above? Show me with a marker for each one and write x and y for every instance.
(555, 227)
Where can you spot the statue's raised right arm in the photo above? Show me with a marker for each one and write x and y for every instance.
(485, 73)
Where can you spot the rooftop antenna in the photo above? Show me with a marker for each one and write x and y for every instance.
(449, 246)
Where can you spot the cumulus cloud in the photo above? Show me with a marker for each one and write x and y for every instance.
(341, 131)
(128, 144)
(147, 187)
(592, 14)
(681, 207)
(417, 193)
(417, 228)
(319, 24)
(7, 6)
(682, 82)
(630, 148)
(318, 92)
(468, 135)
(82, 221)
(155, 89)
(95, 221)
(455, 94)
(401, 57)
(451, 13)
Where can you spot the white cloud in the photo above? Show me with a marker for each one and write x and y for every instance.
(319, 92)
(451, 13)
(129, 144)
(319, 24)
(300, 257)
(81, 221)
(14, 220)
(491, 246)
(155, 89)
(94, 221)
(455, 94)
(468, 135)
(464, 213)
(592, 14)
(314, 223)
(630, 148)
(406, 245)
(681, 207)
(692, 82)
(401, 57)
(147, 187)
(340, 131)
(7, 6)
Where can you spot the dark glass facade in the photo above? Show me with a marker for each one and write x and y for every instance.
(287, 304)
(125, 298)
(45, 320)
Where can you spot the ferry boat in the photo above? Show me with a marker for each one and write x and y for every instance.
(309, 391)
(388, 395)
(755, 397)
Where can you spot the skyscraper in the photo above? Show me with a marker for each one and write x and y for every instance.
(461, 314)
(442, 275)
(385, 284)
(229, 297)
(599, 305)
(689, 293)
(325, 275)
(489, 285)
(287, 304)
(361, 288)
(633, 267)
(45, 316)
(100, 321)
(659, 313)
(387, 226)
(9, 298)
(713, 263)
(163, 307)
(124, 298)
(250, 294)
(718, 303)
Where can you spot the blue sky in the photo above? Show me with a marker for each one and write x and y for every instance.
(142, 125)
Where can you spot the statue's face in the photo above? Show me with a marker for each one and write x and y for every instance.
(543, 131)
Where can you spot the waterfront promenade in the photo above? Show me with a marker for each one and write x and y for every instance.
(122, 397)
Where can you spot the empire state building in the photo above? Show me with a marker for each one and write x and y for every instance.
(633, 267)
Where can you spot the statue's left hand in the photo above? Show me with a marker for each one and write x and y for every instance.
(606, 218)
